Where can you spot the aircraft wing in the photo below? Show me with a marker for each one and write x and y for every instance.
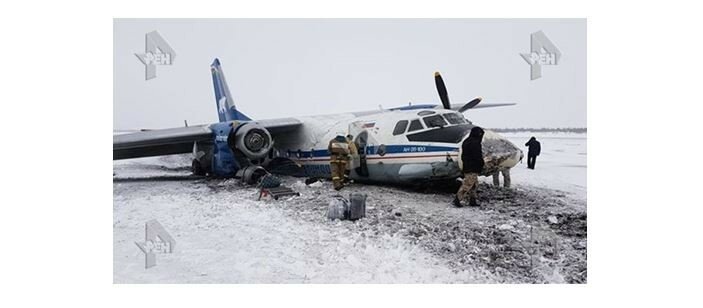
(277, 126)
(158, 142)
(180, 140)
(482, 105)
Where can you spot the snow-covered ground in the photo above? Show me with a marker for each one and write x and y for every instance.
(560, 166)
(533, 233)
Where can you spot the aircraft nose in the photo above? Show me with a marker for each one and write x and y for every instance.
(499, 152)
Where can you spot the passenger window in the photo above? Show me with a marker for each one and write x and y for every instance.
(400, 127)
(415, 125)
(434, 121)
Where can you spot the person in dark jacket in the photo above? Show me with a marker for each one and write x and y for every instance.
(472, 161)
(532, 152)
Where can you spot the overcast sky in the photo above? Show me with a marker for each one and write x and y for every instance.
(281, 68)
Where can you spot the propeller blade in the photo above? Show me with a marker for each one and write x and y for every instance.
(470, 104)
(442, 90)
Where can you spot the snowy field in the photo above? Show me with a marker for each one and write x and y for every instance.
(533, 233)
(560, 166)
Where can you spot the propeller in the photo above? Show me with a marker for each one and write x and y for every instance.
(470, 104)
(444, 97)
(442, 90)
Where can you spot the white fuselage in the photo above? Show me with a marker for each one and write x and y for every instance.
(396, 146)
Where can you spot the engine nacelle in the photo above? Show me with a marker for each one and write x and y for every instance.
(253, 140)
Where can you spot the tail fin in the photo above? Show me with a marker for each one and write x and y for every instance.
(225, 103)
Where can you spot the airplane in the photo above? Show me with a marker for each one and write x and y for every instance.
(411, 144)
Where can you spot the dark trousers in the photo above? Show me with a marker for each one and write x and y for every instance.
(531, 160)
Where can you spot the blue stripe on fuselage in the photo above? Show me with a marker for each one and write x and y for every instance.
(390, 149)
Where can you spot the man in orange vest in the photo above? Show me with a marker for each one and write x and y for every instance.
(339, 157)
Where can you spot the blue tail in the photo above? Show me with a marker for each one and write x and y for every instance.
(225, 103)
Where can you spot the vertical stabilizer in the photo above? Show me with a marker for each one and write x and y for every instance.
(226, 110)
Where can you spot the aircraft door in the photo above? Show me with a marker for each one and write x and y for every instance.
(361, 143)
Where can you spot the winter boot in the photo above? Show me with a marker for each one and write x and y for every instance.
(457, 202)
(473, 202)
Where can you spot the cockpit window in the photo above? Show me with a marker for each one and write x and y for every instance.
(400, 127)
(435, 121)
(415, 125)
(454, 118)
